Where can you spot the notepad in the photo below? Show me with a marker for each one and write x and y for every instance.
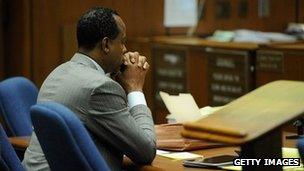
(178, 155)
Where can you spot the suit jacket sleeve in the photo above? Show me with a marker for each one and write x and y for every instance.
(129, 130)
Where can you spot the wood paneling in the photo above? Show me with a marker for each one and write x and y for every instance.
(281, 13)
(18, 38)
(36, 37)
(292, 65)
(197, 76)
(300, 11)
(68, 40)
(53, 21)
(275, 22)
(46, 38)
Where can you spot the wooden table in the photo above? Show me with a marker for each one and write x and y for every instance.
(162, 163)
(20, 143)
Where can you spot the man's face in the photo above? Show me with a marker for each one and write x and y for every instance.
(117, 48)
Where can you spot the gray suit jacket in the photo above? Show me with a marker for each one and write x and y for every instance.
(101, 105)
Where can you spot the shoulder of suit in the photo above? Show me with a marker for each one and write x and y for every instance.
(92, 78)
(108, 85)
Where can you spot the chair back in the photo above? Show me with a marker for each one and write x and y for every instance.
(64, 139)
(17, 95)
(9, 160)
(301, 148)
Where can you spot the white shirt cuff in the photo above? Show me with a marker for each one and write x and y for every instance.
(136, 98)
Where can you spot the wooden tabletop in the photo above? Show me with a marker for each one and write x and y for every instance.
(162, 163)
(195, 41)
(290, 46)
(201, 42)
(159, 163)
(259, 112)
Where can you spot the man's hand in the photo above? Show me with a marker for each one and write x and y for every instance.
(133, 77)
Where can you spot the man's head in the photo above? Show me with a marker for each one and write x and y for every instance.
(101, 33)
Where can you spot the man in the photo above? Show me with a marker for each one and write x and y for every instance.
(114, 112)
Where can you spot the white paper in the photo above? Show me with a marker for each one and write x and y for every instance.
(160, 152)
(181, 107)
(180, 13)
(207, 110)
(180, 155)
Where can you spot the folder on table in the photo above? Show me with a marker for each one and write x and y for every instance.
(169, 138)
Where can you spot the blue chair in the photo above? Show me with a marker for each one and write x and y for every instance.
(8, 158)
(64, 139)
(301, 148)
(17, 95)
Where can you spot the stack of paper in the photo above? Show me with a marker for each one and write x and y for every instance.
(183, 108)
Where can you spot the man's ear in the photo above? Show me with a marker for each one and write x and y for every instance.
(105, 45)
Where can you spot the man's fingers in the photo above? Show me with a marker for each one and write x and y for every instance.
(127, 58)
(141, 61)
(134, 57)
(146, 66)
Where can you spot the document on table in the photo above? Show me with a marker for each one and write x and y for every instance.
(183, 107)
(178, 155)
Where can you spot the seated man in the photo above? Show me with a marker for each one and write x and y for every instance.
(113, 109)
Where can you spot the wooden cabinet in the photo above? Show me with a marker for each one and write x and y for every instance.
(215, 73)
(214, 76)
(177, 69)
(230, 75)
(169, 72)
(276, 62)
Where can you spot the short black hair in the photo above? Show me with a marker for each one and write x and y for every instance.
(94, 25)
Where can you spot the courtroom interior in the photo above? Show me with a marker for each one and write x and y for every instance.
(223, 79)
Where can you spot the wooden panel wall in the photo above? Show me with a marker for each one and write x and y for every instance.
(197, 74)
(54, 23)
(36, 40)
(281, 12)
(292, 68)
(300, 7)
(18, 38)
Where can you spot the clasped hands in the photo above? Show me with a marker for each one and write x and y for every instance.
(133, 77)
(134, 58)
